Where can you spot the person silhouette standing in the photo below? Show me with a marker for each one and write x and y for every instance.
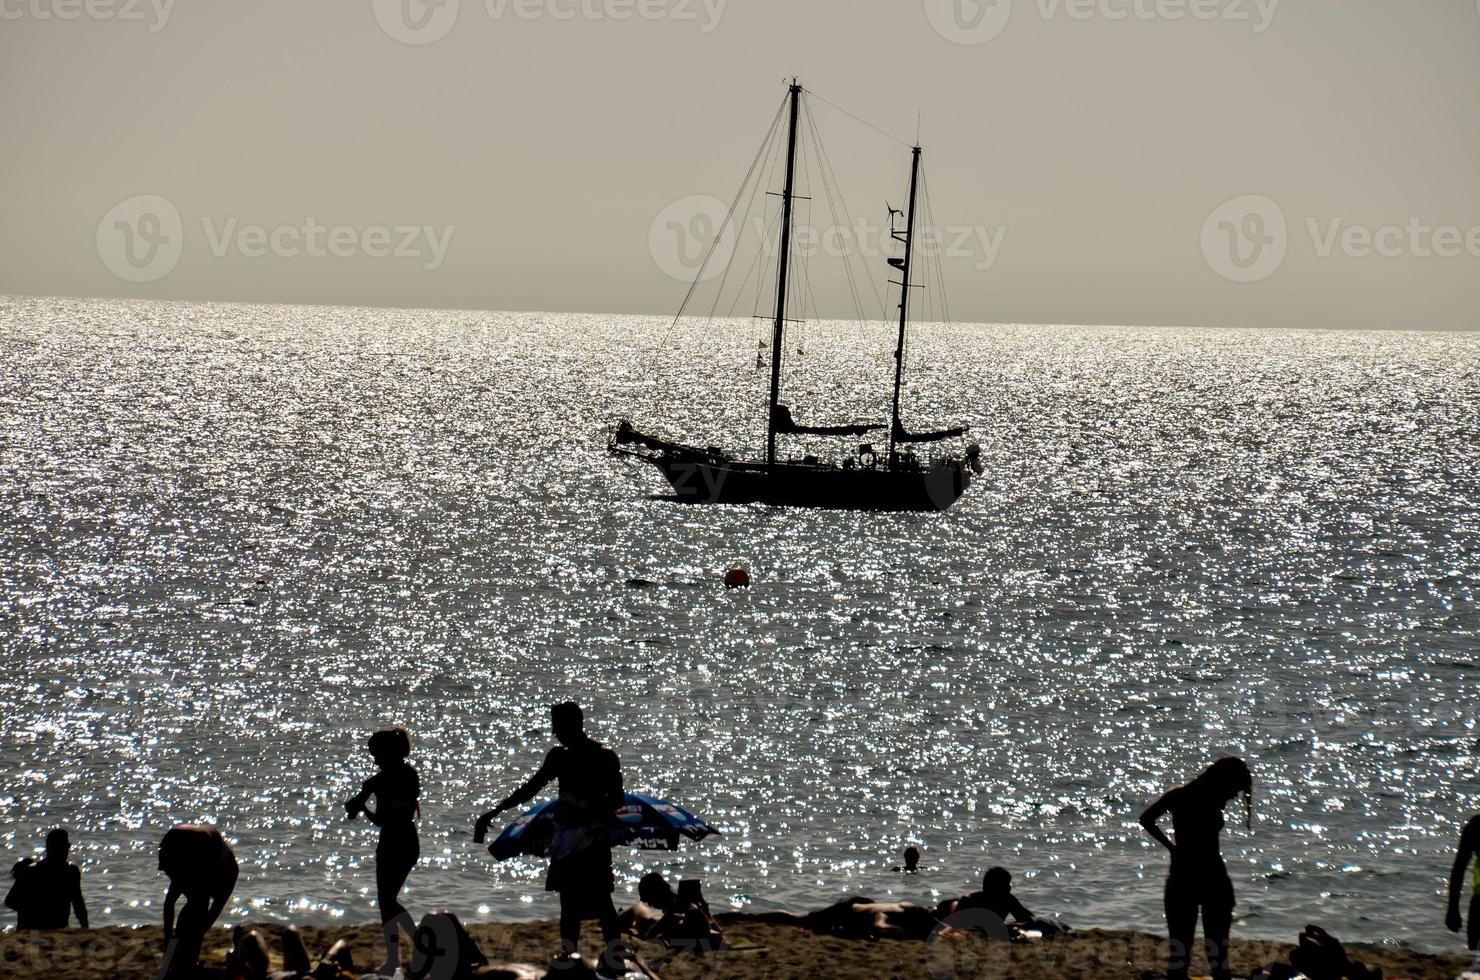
(199, 864)
(1198, 878)
(396, 789)
(1467, 859)
(589, 776)
(47, 891)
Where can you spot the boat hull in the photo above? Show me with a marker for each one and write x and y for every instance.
(709, 481)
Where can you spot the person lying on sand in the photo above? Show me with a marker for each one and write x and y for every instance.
(860, 918)
(680, 919)
(996, 899)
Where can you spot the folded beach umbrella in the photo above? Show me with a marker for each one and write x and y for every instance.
(643, 821)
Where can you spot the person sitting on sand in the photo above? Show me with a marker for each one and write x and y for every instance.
(1199, 879)
(997, 900)
(679, 918)
(1467, 859)
(199, 864)
(911, 861)
(47, 891)
(248, 957)
(860, 918)
(396, 789)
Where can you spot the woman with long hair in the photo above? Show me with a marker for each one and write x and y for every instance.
(1199, 879)
(396, 789)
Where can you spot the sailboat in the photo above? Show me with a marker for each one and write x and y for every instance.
(895, 480)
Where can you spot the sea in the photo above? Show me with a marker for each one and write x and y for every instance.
(237, 539)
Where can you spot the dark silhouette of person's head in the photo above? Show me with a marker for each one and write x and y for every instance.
(1225, 779)
(654, 890)
(390, 746)
(997, 881)
(911, 858)
(58, 845)
(567, 722)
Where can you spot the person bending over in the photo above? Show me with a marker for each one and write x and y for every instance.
(199, 864)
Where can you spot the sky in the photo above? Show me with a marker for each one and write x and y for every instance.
(1166, 162)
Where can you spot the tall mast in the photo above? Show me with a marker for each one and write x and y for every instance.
(904, 303)
(778, 334)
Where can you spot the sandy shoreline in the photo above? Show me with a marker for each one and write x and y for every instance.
(764, 952)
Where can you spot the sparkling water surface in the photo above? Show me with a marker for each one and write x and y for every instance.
(236, 539)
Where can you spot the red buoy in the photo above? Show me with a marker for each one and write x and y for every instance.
(737, 578)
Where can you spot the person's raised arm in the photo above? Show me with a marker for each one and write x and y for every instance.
(1469, 841)
(356, 805)
(79, 907)
(542, 778)
(1154, 813)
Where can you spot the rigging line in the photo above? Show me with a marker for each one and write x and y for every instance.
(775, 121)
(739, 238)
(827, 160)
(833, 211)
(754, 264)
(940, 266)
(804, 263)
(865, 122)
(773, 164)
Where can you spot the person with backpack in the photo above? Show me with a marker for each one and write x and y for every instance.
(588, 776)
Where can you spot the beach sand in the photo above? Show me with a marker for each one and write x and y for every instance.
(763, 952)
